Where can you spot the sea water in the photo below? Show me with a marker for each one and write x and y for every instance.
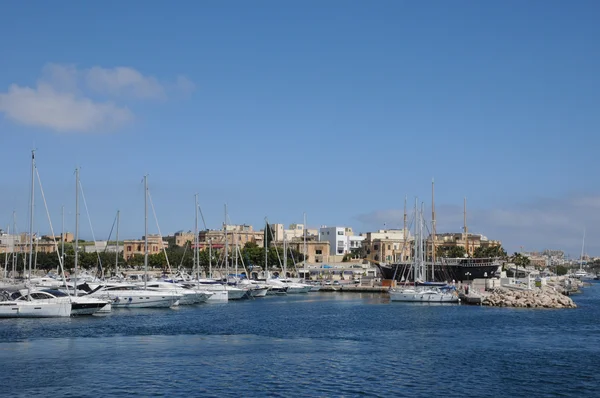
(315, 344)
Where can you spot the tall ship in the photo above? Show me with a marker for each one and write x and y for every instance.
(442, 267)
(446, 269)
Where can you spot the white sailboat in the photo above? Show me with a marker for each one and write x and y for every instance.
(421, 294)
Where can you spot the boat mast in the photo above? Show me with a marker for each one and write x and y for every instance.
(284, 255)
(62, 237)
(415, 255)
(117, 255)
(582, 247)
(404, 231)
(196, 259)
(304, 248)
(14, 252)
(6, 254)
(433, 232)
(267, 230)
(235, 239)
(465, 227)
(31, 208)
(226, 244)
(145, 231)
(76, 229)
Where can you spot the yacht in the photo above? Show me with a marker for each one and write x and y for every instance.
(25, 304)
(189, 296)
(423, 295)
(123, 295)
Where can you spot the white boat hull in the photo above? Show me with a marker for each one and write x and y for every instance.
(426, 296)
(34, 309)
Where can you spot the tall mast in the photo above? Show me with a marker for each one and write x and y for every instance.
(31, 208)
(6, 253)
(404, 231)
(76, 227)
(226, 244)
(62, 237)
(235, 238)
(582, 247)
(210, 258)
(433, 232)
(304, 248)
(465, 226)
(14, 252)
(117, 255)
(284, 255)
(145, 231)
(267, 230)
(416, 237)
(196, 259)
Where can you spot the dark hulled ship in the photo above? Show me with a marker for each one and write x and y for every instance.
(446, 270)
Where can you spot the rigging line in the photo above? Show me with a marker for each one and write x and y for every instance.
(159, 233)
(110, 235)
(62, 269)
(405, 238)
(91, 228)
(202, 215)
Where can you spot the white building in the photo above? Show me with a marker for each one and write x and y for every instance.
(294, 231)
(341, 239)
(102, 246)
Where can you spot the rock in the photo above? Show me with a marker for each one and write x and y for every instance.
(545, 297)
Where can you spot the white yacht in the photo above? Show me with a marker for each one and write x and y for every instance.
(423, 295)
(292, 287)
(33, 305)
(80, 305)
(189, 296)
(124, 295)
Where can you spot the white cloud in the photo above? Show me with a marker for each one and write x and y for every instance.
(123, 81)
(44, 106)
(556, 223)
(62, 98)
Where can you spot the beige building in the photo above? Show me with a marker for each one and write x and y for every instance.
(133, 247)
(316, 252)
(182, 238)
(68, 237)
(293, 232)
(387, 246)
(241, 234)
(472, 242)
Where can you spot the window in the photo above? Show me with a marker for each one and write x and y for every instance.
(340, 243)
(341, 250)
(318, 251)
(389, 247)
(139, 248)
(341, 233)
(129, 248)
(375, 247)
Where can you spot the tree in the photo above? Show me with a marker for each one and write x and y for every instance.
(490, 251)
(520, 260)
(450, 251)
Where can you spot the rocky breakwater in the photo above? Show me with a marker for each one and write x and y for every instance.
(545, 297)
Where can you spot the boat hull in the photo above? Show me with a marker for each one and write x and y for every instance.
(459, 271)
(12, 309)
(425, 296)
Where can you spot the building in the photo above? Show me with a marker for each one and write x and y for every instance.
(103, 246)
(387, 245)
(136, 247)
(341, 239)
(316, 251)
(182, 238)
(294, 232)
(68, 237)
(472, 242)
(241, 234)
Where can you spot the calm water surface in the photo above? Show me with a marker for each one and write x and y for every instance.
(317, 344)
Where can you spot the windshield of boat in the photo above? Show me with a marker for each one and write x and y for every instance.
(56, 293)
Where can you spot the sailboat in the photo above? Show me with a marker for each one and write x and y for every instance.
(421, 294)
(127, 295)
(581, 273)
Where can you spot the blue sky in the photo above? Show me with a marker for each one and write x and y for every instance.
(338, 109)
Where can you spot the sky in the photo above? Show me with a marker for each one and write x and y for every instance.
(337, 109)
